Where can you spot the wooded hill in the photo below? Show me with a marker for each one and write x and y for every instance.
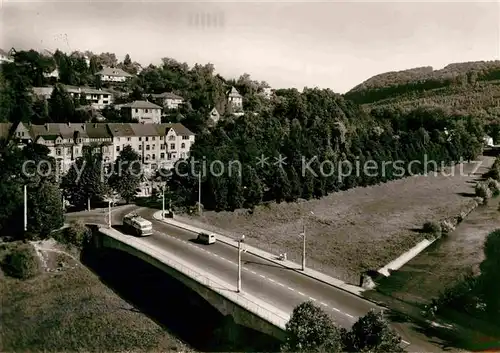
(470, 88)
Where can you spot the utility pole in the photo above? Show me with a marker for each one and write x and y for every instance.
(239, 262)
(163, 204)
(109, 213)
(25, 208)
(199, 193)
(303, 244)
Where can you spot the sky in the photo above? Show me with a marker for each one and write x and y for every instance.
(334, 45)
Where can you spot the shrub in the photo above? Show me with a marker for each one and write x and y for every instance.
(494, 186)
(432, 228)
(447, 227)
(483, 191)
(22, 262)
(76, 234)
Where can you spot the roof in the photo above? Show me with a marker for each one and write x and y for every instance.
(65, 130)
(167, 95)
(113, 71)
(234, 92)
(47, 91)
(141, 105)
(95, 130)
(3, 52)
(181, 129)
(120, 129)
(144, 129)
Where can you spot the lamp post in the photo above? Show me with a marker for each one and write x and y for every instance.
(241, 240)
(199, 193)
(303, 234)
(25, 208)
(163, 202)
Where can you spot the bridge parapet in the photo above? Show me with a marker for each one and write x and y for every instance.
(162, 259)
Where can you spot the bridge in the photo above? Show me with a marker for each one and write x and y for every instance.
(244, 308)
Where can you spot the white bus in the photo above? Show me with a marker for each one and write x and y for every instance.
(138, 225)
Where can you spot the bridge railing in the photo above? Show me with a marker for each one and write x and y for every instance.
(274, 317)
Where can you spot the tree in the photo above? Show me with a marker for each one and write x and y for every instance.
(127, 173)
(253, 187)
(45, 209)
(235, 191)
(490, 274)
(84, 182)
(61, 106)
(281, 185)
(311, 330)
(371, 333)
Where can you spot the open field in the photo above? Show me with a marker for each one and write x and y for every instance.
(70, 309)
(355, 230)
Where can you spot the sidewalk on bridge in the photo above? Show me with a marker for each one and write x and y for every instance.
(268, 256)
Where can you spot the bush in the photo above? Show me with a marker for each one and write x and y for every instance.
(447, 226)
(494, 186)
(483, 191)
(22, 262)
(76, 234)
(432, 228)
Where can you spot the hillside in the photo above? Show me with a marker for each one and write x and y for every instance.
(471, 88)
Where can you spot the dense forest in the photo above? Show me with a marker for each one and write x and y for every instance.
(298, 126)
(471, 88)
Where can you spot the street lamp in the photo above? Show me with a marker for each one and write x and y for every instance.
(303, 234)
(25, 207)
(241, 240)
(199, 193)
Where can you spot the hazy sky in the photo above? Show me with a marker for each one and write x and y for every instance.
(288, 44)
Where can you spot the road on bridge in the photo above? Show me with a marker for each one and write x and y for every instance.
(275, 284)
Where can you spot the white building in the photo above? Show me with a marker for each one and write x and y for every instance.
(159, 145)
(169, 100)
(5, 57)
(113, 74)
(235, 99)
(214, 116)
(96, 98)
(53, 74)
(143, 111)
(488, 141)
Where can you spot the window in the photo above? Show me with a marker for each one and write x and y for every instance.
(153, 156)
(153, 138)
(183, 145)
(68, 152)
(162, 155)
(117, 148)
(140, 138)
(153, 146)
(105, 95)
(185, 137)
(147, 147)
(172, 146)
(137, 110)
(169, 156)
(118, 139)
(147, 138)
(128, 138)
(171, 138)
(76, 150)
(147, 157)
(183, 155)
(140, 147)
(58, 151)
(105, 102)
(146, 111)
(162, 146)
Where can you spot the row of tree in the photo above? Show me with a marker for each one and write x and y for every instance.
(318, 153)
(310, 329)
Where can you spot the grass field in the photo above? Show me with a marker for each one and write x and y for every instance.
(70, 309)
(355, 230)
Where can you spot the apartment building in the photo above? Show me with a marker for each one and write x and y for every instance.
(96, 98)
(113, 74)
(143, 111)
